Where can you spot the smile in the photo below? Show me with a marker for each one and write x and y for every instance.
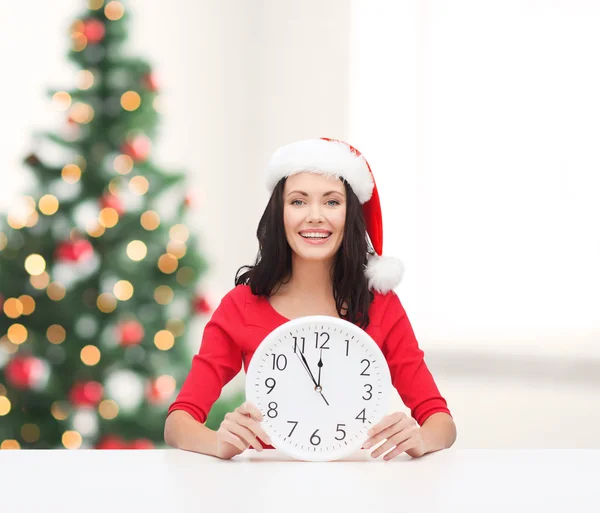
(315, 237)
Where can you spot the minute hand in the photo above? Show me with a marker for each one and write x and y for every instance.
(305, 363)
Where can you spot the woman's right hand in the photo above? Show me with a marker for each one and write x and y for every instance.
(239, 430)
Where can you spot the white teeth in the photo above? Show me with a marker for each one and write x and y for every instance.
(312, 235)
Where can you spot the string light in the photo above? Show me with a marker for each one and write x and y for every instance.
(56, 334)
(85, 79)
(35, 264)
(137, 250)
(30, 433)
(9, 444)
(40, 281)
(48, 204)
(71, 439)
(106, 302)
(114, 10)
(28, 304)
(94, 229)
(71, 173)
(139, 185)
(130, 100)
(17, 334)
(108, 217)
(179, 233)
(177, 249)
(90, 355)
(61, 100)
(123, 164)
(108, 409)
(59, 410)
(123, 290)
(185, 275)
(56, 291)
(150, 220)
(167, 263)
(163, 294)
(5, 406)
(164, 340)
(81, 113)
(13, 308)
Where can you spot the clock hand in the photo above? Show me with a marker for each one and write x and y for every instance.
(305, 365)
(320, 365)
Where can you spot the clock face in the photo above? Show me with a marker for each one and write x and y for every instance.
(321, 383)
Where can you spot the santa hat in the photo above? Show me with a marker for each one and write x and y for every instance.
(331, 157)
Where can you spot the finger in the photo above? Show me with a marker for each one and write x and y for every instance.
(394, 429)
(231, 439)
(253, 426)
(396, 440)
(386, 422)
(245, 434)
(399, 450)
(249, 409)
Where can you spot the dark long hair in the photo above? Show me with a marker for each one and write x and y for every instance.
(273, 264)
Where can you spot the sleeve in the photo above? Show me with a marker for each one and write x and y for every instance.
(410, 375)
(217, 362)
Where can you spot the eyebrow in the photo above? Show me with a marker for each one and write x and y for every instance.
(328, 193)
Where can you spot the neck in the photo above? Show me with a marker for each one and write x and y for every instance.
(311, 279)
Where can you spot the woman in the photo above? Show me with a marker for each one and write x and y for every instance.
(314, 259)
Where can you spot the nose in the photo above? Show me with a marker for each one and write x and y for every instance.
(314, 214)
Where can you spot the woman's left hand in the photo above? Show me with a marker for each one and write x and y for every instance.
(402, 434)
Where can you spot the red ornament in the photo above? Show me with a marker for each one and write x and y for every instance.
(87, 393)
(25, 372)
(149, 82)
(93, 30)
(137, 148)
(141, 443)
(201, 305)
(110, 442)
(75, 251)
(130, 333)
(111, 201)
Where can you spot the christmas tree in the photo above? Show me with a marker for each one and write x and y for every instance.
(98, 278)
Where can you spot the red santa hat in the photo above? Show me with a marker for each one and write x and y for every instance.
(335, 158)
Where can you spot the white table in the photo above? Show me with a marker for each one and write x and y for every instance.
(176, 481)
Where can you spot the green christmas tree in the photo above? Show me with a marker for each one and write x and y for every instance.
(99, 273)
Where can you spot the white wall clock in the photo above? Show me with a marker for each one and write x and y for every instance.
(321, 383)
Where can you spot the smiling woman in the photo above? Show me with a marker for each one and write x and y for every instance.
(320, 253)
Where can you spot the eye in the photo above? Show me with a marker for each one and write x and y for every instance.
(335, 202)
(297, 202)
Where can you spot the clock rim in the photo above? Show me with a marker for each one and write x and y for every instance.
(291, 324)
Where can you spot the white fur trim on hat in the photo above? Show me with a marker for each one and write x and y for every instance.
(322, 157)
(384, 273)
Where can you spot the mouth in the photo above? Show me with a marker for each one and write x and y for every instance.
(315, 237)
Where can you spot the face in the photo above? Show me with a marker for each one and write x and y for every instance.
(314, 214)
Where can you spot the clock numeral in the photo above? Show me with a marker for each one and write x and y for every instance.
(270, 387)
(347, 346)
(279, 361)
(315, 439)
(273, 409)
(296, 343)
(340, 430)
(362, 416)
(324, 344)
(295, 422)
(364, 372)
(368, 392)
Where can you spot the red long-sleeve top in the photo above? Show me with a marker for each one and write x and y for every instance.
(243, 320)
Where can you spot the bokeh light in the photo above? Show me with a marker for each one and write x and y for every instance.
(5, 406)
(139, 185)
(90, 355)
(179, 233)
(40, 281)
(164, 340)
(48, 204)
(13, 308)
(108, 409)
(30, 433)
(28, 304)
(61, 100)
(17, 334)
(176, 326)
(123, 164)
(108, 217)
(167, 263)
(130, 100)
(114, 10)
(59, 410)
(9, 444)
(56, 334)
(177, 249)
(163, 294)
(56, 291)
(96, 4)
(71, 173)
(85, 79)
(106, 302)
(137, 250)
(35, 264)
(150, 220)
(81, 112)
(123, 290)
(71, 439)
(185, 275)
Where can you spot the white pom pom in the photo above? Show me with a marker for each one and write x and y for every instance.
(384, 273)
